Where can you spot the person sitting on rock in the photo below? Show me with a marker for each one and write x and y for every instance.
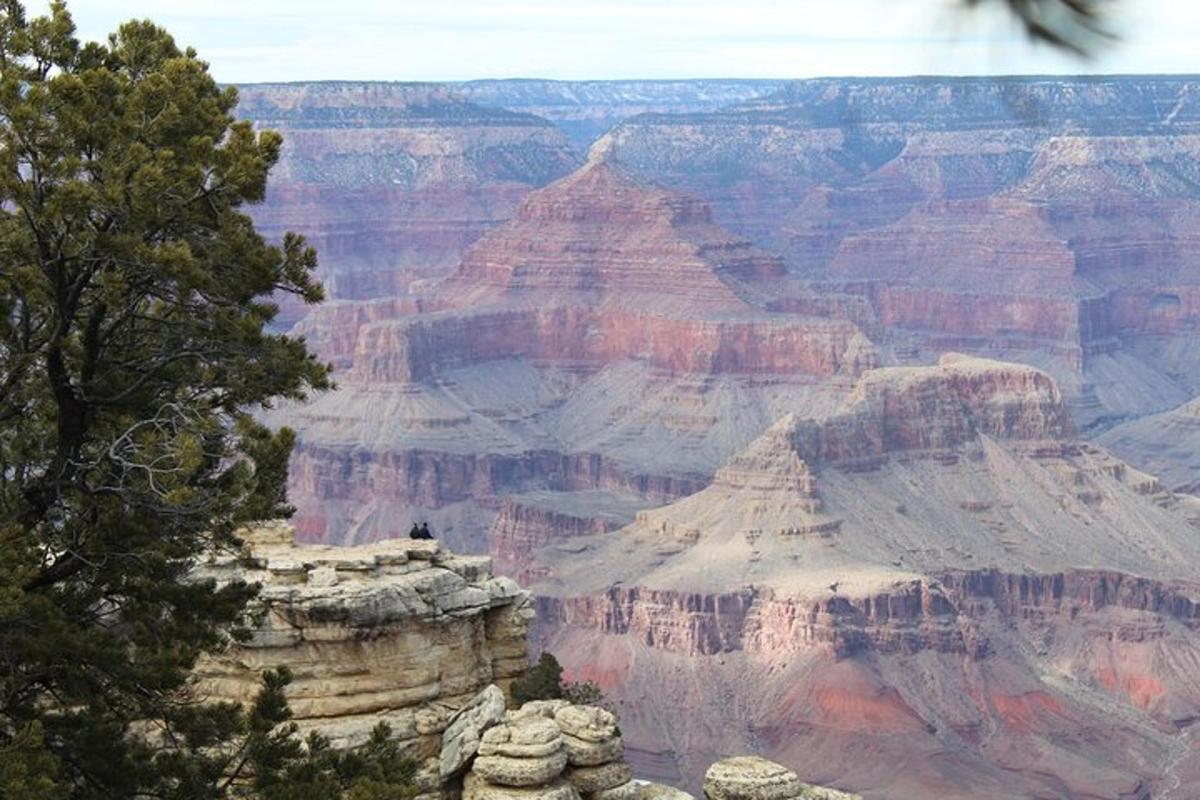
(414, 532)
(425, 534)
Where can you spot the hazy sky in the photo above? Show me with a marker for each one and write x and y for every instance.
(271, 40)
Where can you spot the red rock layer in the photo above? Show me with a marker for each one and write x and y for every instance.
(417, 348)
(600, 238)
(939, 688)
(947, 615)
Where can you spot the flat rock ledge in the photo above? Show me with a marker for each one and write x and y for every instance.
(399, 631)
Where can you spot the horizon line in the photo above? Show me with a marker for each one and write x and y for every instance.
(1081, 76)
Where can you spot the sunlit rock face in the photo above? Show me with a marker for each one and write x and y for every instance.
(939, 574)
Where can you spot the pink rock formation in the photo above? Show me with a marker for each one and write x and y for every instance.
(631, 245)
(417, 348)
(900, 577)
(1044, 220)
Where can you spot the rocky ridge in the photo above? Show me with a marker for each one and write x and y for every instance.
(586, 109)
(939, 566)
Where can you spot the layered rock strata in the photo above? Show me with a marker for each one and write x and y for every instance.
(610, 337)
(939, 573)
(401, 632)
(586, 109)
(393, 181)
(1050, 220)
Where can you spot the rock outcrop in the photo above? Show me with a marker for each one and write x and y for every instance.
(552, 749)
(401, 632)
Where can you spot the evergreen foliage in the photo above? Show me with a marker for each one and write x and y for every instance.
(544, 681)
(135, 347)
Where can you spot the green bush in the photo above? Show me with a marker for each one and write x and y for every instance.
(544, 682)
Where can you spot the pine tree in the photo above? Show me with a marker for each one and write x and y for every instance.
(135, 348)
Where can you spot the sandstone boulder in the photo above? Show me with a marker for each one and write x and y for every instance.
(521, 752)
(589, 735)
(755, 778)
(462, 736)
(751, 778)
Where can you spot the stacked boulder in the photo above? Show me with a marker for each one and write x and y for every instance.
(551, 750)
(522, 758)
(554, 750)
(595, 753)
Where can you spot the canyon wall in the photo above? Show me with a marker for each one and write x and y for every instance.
(647, 380)
(728, 253)
(517, 372)
(1043, 219)
(934, 590)
(391, 182)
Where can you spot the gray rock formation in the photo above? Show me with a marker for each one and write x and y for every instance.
(461, 739)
